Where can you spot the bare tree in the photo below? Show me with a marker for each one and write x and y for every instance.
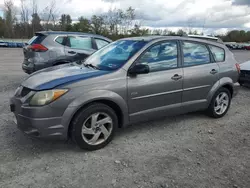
(129, 19)
(49, 14)
(34, 15)
(10, 17)
(24, 18)
(34, 6)
(24, 11)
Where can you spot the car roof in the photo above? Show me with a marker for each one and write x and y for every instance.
(154, 38)
(71, 33)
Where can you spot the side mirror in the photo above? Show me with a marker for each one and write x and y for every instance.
(139, 69)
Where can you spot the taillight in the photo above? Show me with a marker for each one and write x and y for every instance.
(237, 67)
(38, 48)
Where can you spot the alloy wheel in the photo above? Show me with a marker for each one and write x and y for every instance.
(221, 103)
(97, 128)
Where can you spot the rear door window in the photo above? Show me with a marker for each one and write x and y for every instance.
(83, 43)
(195, 54)
(218, 53)
(101, 43)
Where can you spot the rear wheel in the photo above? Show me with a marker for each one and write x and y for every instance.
(241, 83)
(94, 127)
(220, 103)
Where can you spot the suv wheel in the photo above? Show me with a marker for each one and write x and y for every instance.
(94, 127)
(241, 83)
(220, 103)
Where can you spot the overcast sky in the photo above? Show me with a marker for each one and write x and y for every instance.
(216, 15)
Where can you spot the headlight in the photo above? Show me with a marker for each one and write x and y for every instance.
(44, 97)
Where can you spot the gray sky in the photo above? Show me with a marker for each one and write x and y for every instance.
(216, 15)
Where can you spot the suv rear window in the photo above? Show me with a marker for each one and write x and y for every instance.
(37, 39)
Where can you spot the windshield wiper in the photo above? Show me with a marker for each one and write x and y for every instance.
(90, 65)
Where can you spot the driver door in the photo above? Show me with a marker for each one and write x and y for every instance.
(159, 92)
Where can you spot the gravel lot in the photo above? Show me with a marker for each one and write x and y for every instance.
(188, 151)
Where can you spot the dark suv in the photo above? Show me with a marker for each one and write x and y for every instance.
(49, 48)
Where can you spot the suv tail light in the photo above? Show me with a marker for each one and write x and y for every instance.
(237, 67)
(38, 48)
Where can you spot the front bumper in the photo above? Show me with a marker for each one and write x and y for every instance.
(30, 122)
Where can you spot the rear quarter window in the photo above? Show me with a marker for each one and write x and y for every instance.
(101, 43)
(218, 53)
(60, 40)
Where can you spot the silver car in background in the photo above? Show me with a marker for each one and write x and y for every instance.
(245, 73)
(128, 81)
(50, 48)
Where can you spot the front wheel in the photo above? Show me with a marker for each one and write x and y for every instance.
(220, 103)
(94, 127)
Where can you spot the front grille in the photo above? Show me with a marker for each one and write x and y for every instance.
(25, 91)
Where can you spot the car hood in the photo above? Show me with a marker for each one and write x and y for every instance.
(60, 75)
(245, 66)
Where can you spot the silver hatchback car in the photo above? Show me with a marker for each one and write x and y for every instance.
(130, 80)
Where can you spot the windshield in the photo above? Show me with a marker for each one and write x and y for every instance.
(115, 55)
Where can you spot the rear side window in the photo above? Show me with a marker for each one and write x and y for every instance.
(60, 40)
(80, 42)
(195, 54)
(101, 43)
(218, 53)
(36, 39)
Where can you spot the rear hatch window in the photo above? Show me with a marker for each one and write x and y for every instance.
(36, 39)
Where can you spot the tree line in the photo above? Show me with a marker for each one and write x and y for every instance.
(114, 24)
(236, 36)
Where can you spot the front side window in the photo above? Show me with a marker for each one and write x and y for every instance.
(161, 57)
(218, 53)
(195, 54)
(115, 55)
(83, 43)
(101, 43)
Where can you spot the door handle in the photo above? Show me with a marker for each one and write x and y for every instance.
(71, 52)
(213, 71)
(176, 77)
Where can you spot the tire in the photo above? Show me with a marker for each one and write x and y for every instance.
(213, 110)
(85, 126)
(241, 83)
